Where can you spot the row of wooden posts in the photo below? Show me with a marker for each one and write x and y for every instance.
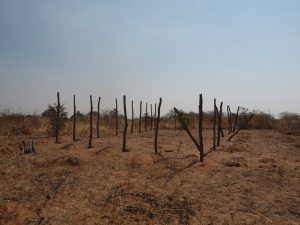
(217, 123)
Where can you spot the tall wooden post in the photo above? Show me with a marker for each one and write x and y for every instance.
(98, 118)
(57, 119)
(157, 126)
(154, 117)
(126, 125)
(117, 118)
(228, 120)
(151, 118)
(140, 121)
(74, 120)
(200, 127)
(175, 121)
(146, 118)
(91, 123)
(132, 117)
(236, 119)
(214, 125)
(220, 124)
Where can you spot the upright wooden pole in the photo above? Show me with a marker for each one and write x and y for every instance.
(57, 119)
(91, 123)
(126, 125)
(98, 118)
(236, 119)
(228, 120)
(132, 117)
(151, 118)
(200, 127)
(146, 118)
(214, 125)
(74, 120)
(220, 131)
(140, 121)
(175, 122)
(157, 127)
(154, 117)
(117, 118)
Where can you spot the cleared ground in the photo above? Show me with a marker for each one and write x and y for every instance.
(255, 179)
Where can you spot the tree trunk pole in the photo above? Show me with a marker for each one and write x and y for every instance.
(57, 119)
(228, 119)
(157, 127)
(140, 120)
(132, 117)
(126, 125)
(219, 114)
(214, 125)
(74, 120)
(91, 123)
(154, 125)
(146, 118)
(236, 119)
(201, 145)
(151, 118)
(98, 118)
(117, 118)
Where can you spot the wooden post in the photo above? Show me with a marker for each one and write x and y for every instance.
(117, 118)
(200, 127)
(214, 126)
(57, 119)
(236, 119)
(146, 118)
(175, 122)
(154, 117)
(140, 121)
(98, 118)
(91, 123)
(220, 131)
(132, 117)
(151, 118)
(126, 125)
(228, 119)
(240, 128)
(74, 120)
(190, 134)
(157, 127)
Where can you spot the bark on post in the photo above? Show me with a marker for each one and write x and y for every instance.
(228, 119)
(74, 120)
(117, 118)
(57, 119)
(126, 125)
(132, 117)
(200, 127)
(91, 123)
(157, 127)
(214, 125)
(140, 120)
(151, 118)
(98, 118)
(236, 119)
(146, 118)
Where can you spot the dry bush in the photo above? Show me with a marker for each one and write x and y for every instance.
(289, 123)
(262, 121)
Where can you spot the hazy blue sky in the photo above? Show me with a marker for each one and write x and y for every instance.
(242, 52)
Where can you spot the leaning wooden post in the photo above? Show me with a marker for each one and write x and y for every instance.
(117, 118)
(98, 118)
(151, 118)
(146, 118)
(214, 126)
(236, 119)
(140, 121)
(157, 127)
(74, 120)
(91, 123)
(57, 119)
(132, 117)
(126, 125)
(200, 127)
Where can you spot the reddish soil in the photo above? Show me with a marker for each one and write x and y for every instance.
(255, 179)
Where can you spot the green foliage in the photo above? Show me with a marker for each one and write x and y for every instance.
(51, 114)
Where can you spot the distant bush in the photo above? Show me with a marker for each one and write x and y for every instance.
(289, 123)
(51, 114)
(262, 121)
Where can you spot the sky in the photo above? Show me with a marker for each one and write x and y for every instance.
(244, 53)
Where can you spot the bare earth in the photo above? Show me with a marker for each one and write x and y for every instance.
(255, 179)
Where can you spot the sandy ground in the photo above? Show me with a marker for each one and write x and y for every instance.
(255, 179)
